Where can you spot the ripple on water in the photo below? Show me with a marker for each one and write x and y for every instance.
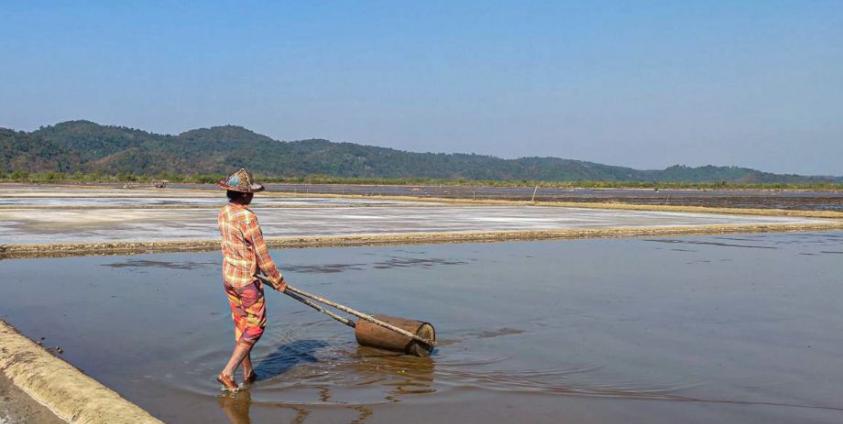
(332, 370)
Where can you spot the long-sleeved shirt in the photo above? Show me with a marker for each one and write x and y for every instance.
(243, 248)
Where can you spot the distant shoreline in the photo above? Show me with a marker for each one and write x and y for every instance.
(98, 179)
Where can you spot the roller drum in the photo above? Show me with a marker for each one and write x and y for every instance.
(373, 335)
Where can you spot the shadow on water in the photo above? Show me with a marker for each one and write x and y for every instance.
(287, 356)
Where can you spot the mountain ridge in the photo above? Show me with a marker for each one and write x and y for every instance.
(85, 146)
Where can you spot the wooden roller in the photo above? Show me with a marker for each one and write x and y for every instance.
(380, 331)
(373, 335)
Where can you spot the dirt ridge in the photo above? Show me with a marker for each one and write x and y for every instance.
(137, 247)
(70, 394)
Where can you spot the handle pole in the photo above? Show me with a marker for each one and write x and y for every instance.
(354, 312)
(343, 320)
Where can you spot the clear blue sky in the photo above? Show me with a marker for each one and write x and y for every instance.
(645, 84)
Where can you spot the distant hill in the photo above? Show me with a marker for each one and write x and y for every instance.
(83, 146)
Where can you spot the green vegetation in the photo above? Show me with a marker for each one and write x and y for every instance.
(82, 151)
(59, 177)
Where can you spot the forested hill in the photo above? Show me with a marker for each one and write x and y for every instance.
(83, 146)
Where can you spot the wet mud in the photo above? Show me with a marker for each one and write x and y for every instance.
(620, 330)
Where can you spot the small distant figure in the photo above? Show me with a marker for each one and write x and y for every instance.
(161, 184)
(244, 255)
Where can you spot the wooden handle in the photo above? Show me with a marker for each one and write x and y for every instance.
(354, 312)
(343, 320)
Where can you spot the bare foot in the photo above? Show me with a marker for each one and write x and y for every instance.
(249, 377)
(228, 382)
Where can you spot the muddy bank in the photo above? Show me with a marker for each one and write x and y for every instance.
(729, 328)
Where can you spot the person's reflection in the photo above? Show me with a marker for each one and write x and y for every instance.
(400, 375)
(236, 406)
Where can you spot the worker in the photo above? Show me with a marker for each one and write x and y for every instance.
(244, 255)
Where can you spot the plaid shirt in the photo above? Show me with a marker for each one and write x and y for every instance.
(243, 248)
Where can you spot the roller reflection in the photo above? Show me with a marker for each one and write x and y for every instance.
(404, 374)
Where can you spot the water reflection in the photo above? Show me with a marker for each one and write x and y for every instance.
(236, 406)
(403, 374)
(399, 375)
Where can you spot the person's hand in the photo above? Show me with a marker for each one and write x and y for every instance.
(280, 285)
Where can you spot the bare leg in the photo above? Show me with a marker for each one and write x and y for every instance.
(248, 371)
(241, 351)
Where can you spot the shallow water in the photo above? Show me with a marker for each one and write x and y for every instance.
(739, 328)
